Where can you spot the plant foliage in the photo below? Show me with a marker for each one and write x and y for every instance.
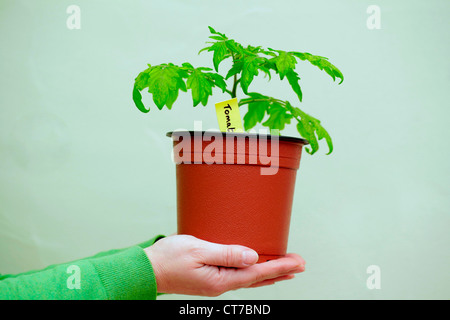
(164, 82)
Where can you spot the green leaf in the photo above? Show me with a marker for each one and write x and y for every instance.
(234, 47)
(163, 82)
(322, 63)
(311, 129)
(211, 29)
(284, 62)
(293, 79)
(201, 82)
(137, 98)
(235, 69)
(220, 53)
(255, 114)
(250, 67)
(269, 52)
(141, 80)
(216, 37)
(188, 66)
(218, 80)
(222, 48)
(201, 87)
(278, 117)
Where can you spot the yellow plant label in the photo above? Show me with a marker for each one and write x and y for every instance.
(228, 116)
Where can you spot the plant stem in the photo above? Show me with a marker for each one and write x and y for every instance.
(229, 92)
(261, 100)
(236, 81)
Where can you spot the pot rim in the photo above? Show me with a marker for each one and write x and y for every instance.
(237, 134)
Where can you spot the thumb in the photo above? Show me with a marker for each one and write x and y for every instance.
(228, 255)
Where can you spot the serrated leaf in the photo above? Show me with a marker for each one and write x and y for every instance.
(307, 132)
(311, 129)
(268, 65)
(268, 52)
(235, 69)
(234, 47)
(163, 82)
(266, 70)
(172, 96)
(253, 50)
(200, 86)
(255, 114)
(284, 62)
(220, 53)
(278, 117)
(293, 79)
(250, 67)
(211, 29)
(222, 48)
(322, 63)
(218, 80)
(141, 80)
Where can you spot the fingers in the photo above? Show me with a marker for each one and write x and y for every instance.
(271, 281)
(233, 256)
(266, 273)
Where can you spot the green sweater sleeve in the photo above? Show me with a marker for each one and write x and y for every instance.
(121, 274)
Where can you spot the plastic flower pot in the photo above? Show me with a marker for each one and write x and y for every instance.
(236, 188)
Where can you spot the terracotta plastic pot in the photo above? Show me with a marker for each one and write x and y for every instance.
(228, 191)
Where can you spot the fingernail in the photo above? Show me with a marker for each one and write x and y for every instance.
(302, 261)
(297, 269)
(249, 257)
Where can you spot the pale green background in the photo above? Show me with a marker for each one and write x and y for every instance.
(82, 170)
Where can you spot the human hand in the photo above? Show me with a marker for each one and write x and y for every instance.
(186, 265)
